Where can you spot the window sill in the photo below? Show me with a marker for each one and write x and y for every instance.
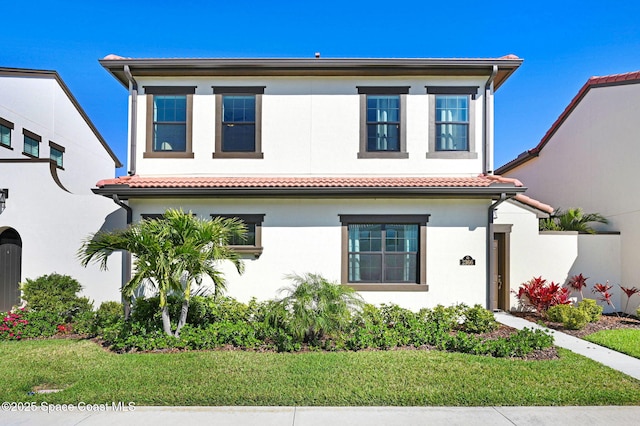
(453, 155)
(29, 155)
(6, 146)
(171, 154)
(248, 250)
(388, 287)
(258, 155)
(383, 154)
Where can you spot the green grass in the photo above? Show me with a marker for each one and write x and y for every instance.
(625, 340)
(92, 375)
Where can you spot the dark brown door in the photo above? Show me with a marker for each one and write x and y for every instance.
(10, 269)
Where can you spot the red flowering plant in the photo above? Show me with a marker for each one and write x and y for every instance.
(577, 283)
(605, 296)
(629, 291)
(11, 325)
(62, 329)
(537, 294)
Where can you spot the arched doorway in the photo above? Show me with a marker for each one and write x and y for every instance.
(10, 268)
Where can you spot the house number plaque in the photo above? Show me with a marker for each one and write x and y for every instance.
(467, 261)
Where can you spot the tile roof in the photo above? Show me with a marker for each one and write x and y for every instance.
(602, 81)
(308, 182)
(534, 203)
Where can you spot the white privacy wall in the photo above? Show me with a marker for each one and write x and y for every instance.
(52, 224)
(304, 235)
(556, 256)
(310, 126)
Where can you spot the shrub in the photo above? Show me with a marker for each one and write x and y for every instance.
(576, 319)
(314, 307)
(478, 320)
(573, 318)
(591, 308)
(108, 314)
(57, 294)
(539, 295)
(558, 313)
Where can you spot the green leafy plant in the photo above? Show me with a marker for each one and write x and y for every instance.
(56, 294)
(479, 320)
(591, 308)
(573, 219)
(314, 307)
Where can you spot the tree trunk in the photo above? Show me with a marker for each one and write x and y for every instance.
(166, 320)
(183, 316)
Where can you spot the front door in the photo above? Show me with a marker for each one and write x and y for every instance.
(500, 276)
(10, 269)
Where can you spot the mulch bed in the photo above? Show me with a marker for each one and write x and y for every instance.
(606, 322)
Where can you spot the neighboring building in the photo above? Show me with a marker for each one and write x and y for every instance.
(588, 159)
(50, 157)
(376, 173)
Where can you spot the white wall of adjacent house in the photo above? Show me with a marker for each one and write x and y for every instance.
(591, 162)
(40, 105)
(52, 224)
(557, 256)
(304, 236)
(311, 126)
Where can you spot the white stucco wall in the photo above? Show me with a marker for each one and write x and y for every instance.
(310, 126)
(556, 256)
(590, 162)
(52, 224)
(39, 104)
(304, 235)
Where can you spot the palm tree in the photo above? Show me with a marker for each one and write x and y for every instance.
(574, 219)
(314, 307)
(171, 253)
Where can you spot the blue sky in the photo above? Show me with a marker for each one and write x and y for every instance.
(562, 43)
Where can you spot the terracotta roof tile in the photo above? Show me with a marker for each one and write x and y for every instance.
(306, 182)
(534, 203)
(615, 79)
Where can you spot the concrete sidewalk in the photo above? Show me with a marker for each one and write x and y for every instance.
(335, 416)
(621, 362)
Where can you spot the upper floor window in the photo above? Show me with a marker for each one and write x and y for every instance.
(5, 133)
(31, 144)
(238, 122)
(56, 153)
(451, 122)
(383, 122)
(169, 116)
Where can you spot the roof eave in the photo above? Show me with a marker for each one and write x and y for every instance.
(319, 67)
(125, 192)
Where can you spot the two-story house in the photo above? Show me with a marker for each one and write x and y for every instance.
(51, 155)
(376, 173)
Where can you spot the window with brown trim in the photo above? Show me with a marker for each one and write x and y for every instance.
(56, 153)
(169, 122)
(31, 144)
(252, 243)
(5, 133)
(238, 116)
(452, 122)
(383, 122)
(384, 252)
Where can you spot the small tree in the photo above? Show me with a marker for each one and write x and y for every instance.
(172, 253)
(573, 219)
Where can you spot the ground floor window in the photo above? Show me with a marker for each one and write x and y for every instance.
(384, 249)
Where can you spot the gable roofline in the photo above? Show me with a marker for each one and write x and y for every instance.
(27, 72)
(593, 82)
(310, 67)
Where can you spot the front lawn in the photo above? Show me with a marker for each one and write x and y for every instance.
(625, 340)
(90, 374)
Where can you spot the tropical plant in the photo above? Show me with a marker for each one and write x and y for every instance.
(628, 291)
(577, 283)
(605, 296)
(56, 294)
(171, 253)
(314, 307)
(573, 219)
(539, 295)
